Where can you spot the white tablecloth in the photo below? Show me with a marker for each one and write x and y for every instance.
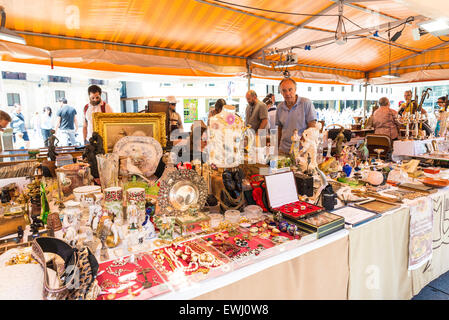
(410, 148)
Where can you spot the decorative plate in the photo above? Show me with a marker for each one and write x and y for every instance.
(144, 153)
(180, 191)
(436, 183)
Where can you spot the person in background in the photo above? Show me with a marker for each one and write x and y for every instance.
(407, 105)
(441, 103)
(269, 100)
(95, 105)
(217, 109)
(369, 121)
(385, 120)
(256, 114)
(36, 121)
(175, 118)
(67, 123)
(5, 119)
(46, 124)
(294, 112)
(18, 125)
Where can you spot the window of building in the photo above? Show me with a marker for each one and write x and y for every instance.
(309, 89)
(104, 96)
(360, 88)
(352, 88)
(13, 98)
(166, 84)
(59, 79)
(332, 89)
(96, 81)
(14, 75)
(321, 88)
(377, 89)
(342, 89)
(59, 94)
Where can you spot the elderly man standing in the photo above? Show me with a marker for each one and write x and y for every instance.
(385, 120)
(256, 112)
(293, 113)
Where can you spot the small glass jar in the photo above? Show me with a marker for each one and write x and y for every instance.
(233, 216)
(253, 213)
(215, 219)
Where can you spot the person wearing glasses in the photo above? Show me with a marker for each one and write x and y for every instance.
(175, 118)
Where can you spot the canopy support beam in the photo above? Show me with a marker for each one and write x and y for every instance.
(296, 28)
(379, 68)
(125, 44)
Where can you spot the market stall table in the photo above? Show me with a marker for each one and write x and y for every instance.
(406, 148)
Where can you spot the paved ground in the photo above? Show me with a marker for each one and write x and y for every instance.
(438, 289)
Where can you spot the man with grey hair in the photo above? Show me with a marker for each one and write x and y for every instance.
(385, 120)
(5, 119)
(294, 113)
(256, 112)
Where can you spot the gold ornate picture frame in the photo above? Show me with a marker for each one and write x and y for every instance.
(114, 126)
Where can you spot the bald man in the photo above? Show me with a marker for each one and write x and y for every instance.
(256, 112)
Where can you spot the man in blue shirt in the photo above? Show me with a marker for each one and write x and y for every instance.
(67, 123)
(293, 113)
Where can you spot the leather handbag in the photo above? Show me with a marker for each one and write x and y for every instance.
(77, 275)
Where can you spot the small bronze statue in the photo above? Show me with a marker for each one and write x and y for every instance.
(52, 145)
(97, 141)
(94, 147)
(339, 142)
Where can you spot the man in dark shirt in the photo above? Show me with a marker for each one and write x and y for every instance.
(67, 123)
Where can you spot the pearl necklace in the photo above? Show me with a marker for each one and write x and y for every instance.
(171, 253)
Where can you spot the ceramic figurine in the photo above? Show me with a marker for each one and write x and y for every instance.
(132, 214)
(294, 148)
(70, 225)
(96, 212)
(166, 226)
(109, 231)
(363, 150)
(148, 228)
(308, 154)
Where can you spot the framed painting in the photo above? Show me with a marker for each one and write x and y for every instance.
(114, 126)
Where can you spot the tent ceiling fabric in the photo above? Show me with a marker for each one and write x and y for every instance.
(207, 37)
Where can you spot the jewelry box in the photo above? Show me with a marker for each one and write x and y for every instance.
(283, 198)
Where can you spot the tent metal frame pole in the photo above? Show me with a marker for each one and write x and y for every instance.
(248, 66)
(126, 44)
(353, 33)
(365, 102)
(244, 12)
(296, 28)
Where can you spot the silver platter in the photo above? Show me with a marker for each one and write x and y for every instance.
(180, 191)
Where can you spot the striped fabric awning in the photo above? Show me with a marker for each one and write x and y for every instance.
(224, 38)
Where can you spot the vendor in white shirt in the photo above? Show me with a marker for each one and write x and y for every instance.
(95, 105)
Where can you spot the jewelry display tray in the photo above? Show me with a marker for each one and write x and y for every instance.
(376, 205)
